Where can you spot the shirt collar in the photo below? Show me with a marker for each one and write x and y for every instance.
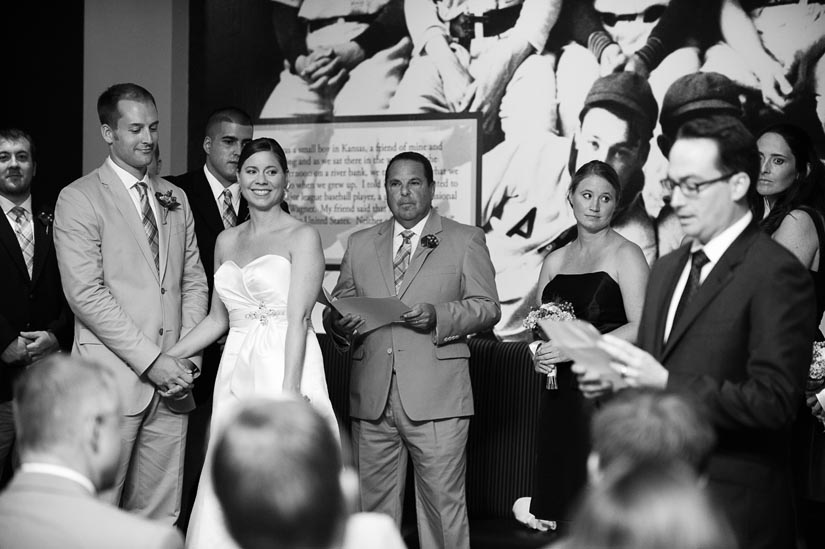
(128, 179)
(7, 205)
(218, 188)
(719, 244)
(59, 471)
(418, 228)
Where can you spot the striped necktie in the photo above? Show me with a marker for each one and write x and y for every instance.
(230, 218)
(402, 259)
(150, 226)
(25, 236)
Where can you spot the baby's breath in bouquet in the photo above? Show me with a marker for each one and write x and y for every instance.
(816, 374)
(558, 310)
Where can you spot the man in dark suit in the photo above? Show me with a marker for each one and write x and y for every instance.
(410, 391)
(728, 319)
(215, 197)
(34, 316)
(68, 418)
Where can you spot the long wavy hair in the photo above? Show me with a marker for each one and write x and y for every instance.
(809, 187)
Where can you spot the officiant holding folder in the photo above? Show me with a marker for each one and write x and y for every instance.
(410, 383)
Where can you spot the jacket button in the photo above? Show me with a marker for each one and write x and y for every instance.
(389, 350)
(160, 332)
(163, 290)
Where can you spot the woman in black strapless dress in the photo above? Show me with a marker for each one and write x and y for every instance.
(603, 275)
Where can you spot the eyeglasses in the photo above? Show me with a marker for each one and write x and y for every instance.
(651, 14)
(690, 188)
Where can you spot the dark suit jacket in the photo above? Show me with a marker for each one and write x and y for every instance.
(29, 304)
(208, 224)
(432, 369)
(742, 348)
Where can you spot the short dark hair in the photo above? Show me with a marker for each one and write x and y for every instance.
(646, 424)
(415, 157)
(263, 144)
(107, 110)
(227, 114)
(737, 151)
(276, 473)
(808, 189)
(16, 134)
(599, 169)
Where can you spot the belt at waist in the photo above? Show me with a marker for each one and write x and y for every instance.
(316, 24)
(263, 315)
(493, 23)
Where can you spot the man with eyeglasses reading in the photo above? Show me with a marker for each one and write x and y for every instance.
(728, 321)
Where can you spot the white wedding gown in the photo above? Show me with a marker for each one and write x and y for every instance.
(252, 365)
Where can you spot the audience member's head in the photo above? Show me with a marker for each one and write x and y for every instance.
(17, 164)
(129, 126)
(67, 412)
(712, 170)
(277, 472)
(696, 95)
(414, 157)
(616, 124)
(790, 173)
(649, 505)
(648, 425)
(228, 129)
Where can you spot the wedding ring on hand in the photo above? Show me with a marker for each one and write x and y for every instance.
(624, 371)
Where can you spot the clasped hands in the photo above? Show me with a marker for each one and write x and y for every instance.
(172, 376)
(421, 317)
(325, 70)
(637, 367)
(29, 346)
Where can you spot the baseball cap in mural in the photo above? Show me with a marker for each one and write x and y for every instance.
(628, 90)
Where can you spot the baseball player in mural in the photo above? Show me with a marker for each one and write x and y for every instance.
(342, 57)
(482, 56)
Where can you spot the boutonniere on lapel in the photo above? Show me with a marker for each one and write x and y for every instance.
(170, 203)
(429, 241)
(47, 219)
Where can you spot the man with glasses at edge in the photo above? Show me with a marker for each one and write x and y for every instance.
(727, 321)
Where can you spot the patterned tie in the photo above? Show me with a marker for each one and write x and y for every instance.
(402, 259)
(149, 224)
(698, 260)
(230, 218)
(25, 236)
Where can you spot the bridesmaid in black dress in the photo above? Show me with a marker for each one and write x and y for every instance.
(603, 275)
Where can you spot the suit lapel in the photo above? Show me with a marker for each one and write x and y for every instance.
(163, 223)
(243, 211)
(202, 196)
(9, 240)
(722, 273)
(433, 226)
(384, 251)
(122, 201)
(42, 246)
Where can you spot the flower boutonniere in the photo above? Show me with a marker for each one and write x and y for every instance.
(429, 241)
(170, 203)
(47, 219)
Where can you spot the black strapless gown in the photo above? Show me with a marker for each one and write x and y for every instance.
(563, 434)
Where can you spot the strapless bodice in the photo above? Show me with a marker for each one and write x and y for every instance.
(256, 292)
(595, 297)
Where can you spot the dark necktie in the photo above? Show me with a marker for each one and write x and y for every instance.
(697, 261)
(25, 236)
(402, 259)
(230, 218)
(149, 224)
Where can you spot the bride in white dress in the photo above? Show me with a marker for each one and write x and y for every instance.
(268, 273)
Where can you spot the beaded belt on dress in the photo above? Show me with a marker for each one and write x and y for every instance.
(262, 314)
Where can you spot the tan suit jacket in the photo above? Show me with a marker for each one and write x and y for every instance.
(126, 312)
(47, 511)
(432, 369)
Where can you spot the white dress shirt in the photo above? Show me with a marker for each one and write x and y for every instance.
(217, 192)
(714, 249)
(397, 239)
(129, 181)
(59, 471)
(7, 206)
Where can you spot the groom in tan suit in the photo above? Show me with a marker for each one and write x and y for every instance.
(130, 268)
(410, 392)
